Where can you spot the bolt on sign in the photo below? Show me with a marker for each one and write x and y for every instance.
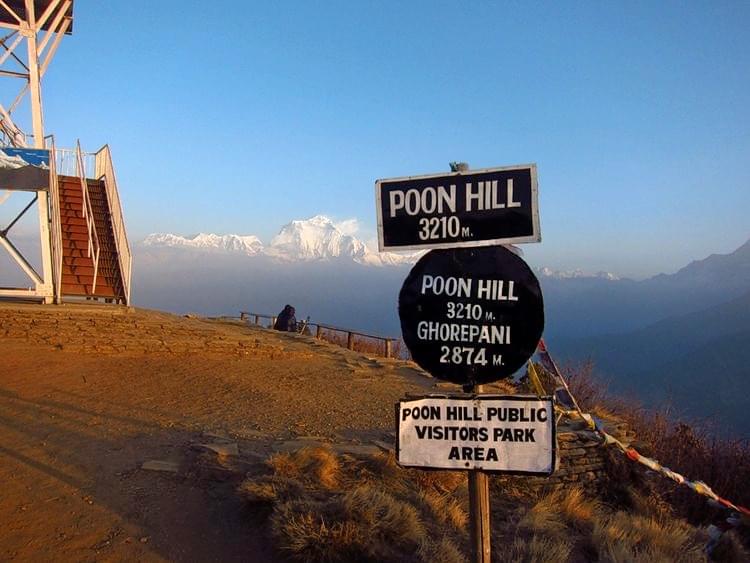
(508, 434)
(477, 208)
(471, 315)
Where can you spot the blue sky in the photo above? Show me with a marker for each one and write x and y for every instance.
(243, 117)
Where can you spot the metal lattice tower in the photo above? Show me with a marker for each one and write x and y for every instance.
(40, 25)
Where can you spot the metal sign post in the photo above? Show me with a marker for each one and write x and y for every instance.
(480, 433)
(471, 313)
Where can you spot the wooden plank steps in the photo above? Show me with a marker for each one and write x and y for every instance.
(78, 267)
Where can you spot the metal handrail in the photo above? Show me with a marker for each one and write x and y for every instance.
(54, 192)
(67, 163)
(388, 341)
(105, 170)
(93, 246)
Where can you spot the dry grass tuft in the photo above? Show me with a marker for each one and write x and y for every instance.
(269, 490)
(444, 550)
(383, 469)
(571, 526)
(505, 387)
(317, 464)
(327, 508)
(441, 481)
(624, 536)
(365, 524)
(389, 520)
(639, 502)
(305, 536)
(537, 549)
(556, 514)
(445, 509)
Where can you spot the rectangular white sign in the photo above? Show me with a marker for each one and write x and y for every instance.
(503, 433)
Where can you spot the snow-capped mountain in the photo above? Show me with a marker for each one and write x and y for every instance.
(244, 244)
(317, 238)
(12, 162)
(575, 274)
(320, 238)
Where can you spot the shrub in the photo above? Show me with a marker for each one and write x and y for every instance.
(693, 449)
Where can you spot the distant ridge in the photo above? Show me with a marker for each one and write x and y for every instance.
(575, 274)
(698, 360)
(246, 244)
(730, 270)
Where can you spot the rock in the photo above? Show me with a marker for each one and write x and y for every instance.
(312, 438)
(159, 465)
(357, 450)
(218, 435)
(383, 446)
(249, 434)
(221, 449)
(294, 445)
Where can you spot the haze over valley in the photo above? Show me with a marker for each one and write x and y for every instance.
(667, 337)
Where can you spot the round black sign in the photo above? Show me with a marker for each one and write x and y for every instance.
(471, 315)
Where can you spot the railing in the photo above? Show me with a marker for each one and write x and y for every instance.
(67, 164)
(350, 334)
(54, 201)
(104, 169)
(93, 242)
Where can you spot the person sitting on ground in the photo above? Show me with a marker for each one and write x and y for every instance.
(286, 320)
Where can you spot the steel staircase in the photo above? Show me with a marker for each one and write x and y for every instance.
(93, 260)
(81, 275)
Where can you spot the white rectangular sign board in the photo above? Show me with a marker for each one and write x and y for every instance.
(503, 433)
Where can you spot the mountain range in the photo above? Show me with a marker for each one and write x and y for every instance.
(673, 337)
(698, 362)
(593, 306)
(682, 339)
(316, 238)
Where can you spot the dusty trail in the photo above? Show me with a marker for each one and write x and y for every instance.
(88, 394)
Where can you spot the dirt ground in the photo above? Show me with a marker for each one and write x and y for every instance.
(89, 394)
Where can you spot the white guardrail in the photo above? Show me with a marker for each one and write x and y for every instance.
(104, 169)
(57, 249)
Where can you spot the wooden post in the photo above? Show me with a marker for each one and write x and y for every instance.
(479, 486)
(479, 508)
(350, 341)
(318, 332)
(257, 319)
(388, 343)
